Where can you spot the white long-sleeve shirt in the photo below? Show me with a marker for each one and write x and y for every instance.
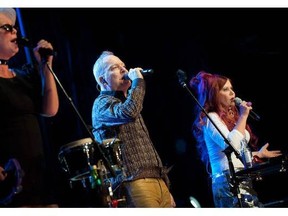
(215, 144)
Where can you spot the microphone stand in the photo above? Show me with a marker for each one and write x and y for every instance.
(105, 160)
(228, 151)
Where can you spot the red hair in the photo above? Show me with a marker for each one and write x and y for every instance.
(207, 87)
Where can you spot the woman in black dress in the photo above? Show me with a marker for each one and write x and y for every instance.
(24, 95)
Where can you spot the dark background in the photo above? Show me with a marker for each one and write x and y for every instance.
(248, 45)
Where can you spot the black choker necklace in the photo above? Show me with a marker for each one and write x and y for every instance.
(3, 62)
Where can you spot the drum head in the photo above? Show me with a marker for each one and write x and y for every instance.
(76, 158)
(76, 143)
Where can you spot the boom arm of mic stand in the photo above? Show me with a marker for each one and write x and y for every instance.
(227, 151)
(105, 160)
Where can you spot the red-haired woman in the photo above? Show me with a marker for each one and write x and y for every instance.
(215, 93)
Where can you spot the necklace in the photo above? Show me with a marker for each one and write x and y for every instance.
(230, 112)
(3, 62)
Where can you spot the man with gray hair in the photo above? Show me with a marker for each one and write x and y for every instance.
(116, 116)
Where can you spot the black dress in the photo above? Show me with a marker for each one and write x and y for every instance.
(20, 136)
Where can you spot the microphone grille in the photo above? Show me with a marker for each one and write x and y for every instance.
(237, 101)
(150, 71)
(181, 75)
(24, 42)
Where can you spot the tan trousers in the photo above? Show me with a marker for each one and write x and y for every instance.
(147, 192)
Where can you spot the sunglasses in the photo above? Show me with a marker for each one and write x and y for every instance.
(8, 27)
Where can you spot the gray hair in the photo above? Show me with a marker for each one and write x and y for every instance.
(98, 68)
(10, 13)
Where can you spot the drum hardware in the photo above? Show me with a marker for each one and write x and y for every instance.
(247, 157)
(275, 203)
(94, 177)
(78, 159)
(258, 177)
(112, 150)
(257, 171)
(84, 184)
(283, 165)
(109, 190)
(115, 203)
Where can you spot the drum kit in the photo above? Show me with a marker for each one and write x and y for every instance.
(259, 170)
(81, 161)
(271, 173)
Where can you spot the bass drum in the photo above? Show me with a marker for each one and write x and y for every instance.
(77, 158)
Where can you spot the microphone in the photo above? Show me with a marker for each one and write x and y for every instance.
(144, 72)
(252, 114)
(24, 42)
(182, 77)
(44, 52)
